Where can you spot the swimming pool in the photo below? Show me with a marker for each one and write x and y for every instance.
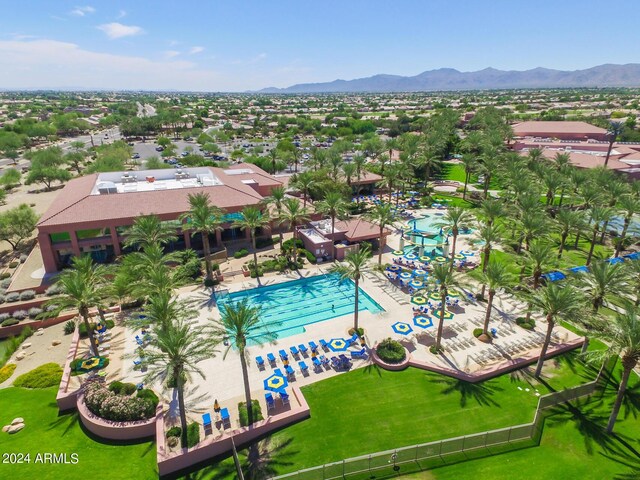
(287, 307)
(429, 225)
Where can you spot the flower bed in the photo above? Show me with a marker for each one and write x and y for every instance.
(112, 406)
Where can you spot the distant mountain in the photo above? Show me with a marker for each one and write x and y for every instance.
(608, 75)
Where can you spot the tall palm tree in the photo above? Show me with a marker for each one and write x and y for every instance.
(203, 218)
(469, 163)
(555, 302)
(349, 171)
(335, 206)
(615, 129)
(539, 257)
(252, 218)
(383, 215)
(532, 224)
(305, 182)
(566, 222)
(240, 323)
(491, 209)
(494, 277)
(622, 336)
(456, 219)
(83, 287)
(354, 266)
(179, 349)
(489, 235)
(293, 215)
(633, 269)
(444, 280)
(151, 271)
(629, 205)
(147, 230)
(276, 198)
(599, 215)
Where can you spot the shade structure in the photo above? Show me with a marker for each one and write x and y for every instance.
(453, 295)
(466, 253)
(425, 259)
(402, 328)
(419, 300)
(90, 363)
(615, 260)
(422, 321)
(581, 269)
(411, 256)
(337, 344)
(275, 383)
(447, 314)
(405, 276)
(632, 256)
(440, 259)
(394, 268)
(459, 256)
(397, 252)
(435, 296)
(419, 273)
(416, 284)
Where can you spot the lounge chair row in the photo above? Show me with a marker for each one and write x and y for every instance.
(225, 419)
(301, 351)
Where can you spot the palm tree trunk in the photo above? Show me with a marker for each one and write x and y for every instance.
(623, 235)
(466, 181)
(593, 245)
(207, 260)
(545, 345)
(355, 306)
(255, 252)
(485, 262)
(443, 302)
(561, 197)
(563, 240)
(604, 232)
(84, 313)
(575, 245)
(453, 251)
(181, 409)
(380, 246)
(606, 160)
(487, 317)
(619, 397)
(304, 200)
(247, 388)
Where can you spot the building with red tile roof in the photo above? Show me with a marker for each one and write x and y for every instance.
(559, 130)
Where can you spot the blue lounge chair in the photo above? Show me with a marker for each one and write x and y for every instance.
(303, 349)
(271, 358)
(359, 354)
(284, 396)
(283, 355)
(137, 361)
(294, 351)
(324, 360)
(260, 362)
(290, 371)
(324, 344)
(224, 416)
(278, 372)
(313, 346)
(206, 421)
(353, 339)
(335, 363)
(303, 367)
(271, 403)
(316, 363)
(140, 386)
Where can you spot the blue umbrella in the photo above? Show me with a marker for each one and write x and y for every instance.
(416, 284)
(394, 268)
(337, 344)
(420, 273)
(582, 269)
(402, 328)
(405, 276)
(422, 321)
(615, 260)
(411, 256)
(275, 383)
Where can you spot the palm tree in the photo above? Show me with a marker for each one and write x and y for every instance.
(294, 215)
(469, 162)
(599, 215)
(555, 302)
(276, 198)
(353, 267)
(490, 235)
(532, 224)
(456, 219)
(566, 222)
(82, 287)
(615, 129)
(384, 215)
(622, 335)
(147, 230)
(203, 218)
(633, 269)
(349, 171)
(539, 257)
(305, 182)
(335, 206)
(251, 218)
(494, 277)
(491, 209)
(180, 348)
(151, 272)
(240, 322)
(630, 205)
(444, 280)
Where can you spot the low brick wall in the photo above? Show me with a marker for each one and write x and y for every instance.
(213, 446)
(67, 400)
(117, 430)
(25, 305)
(395, 367)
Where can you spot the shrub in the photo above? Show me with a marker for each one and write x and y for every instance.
(310, 256)
(13, 343)
(210, 282)
(118, 408)
(121, 388)
(477, 332)
(435, 350)
(12, 297)
(174, 432)
(23, 258)
(149, 395)
(109, 323)
(115, 386)
(20, 314)
(173, 442)
(287, 244)
(6, 282)
(4, 316)
(257, 412)
(46, 375)
(14, 264)
(2, 299)
(264, 242)
(215, 267)
(243, 252)
(10, 321)
(4, 275)
(527, 325)
(7, 371)
(69, 327)
(52, 290)
(193, 434)
(27, 295)
(34, 312)
(390, 351)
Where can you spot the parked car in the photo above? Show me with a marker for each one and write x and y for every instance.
(184, 154)
(135, 156)
(159, 149)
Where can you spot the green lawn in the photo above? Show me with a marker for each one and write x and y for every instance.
(451, 201)
(454, 172)
(46, 432)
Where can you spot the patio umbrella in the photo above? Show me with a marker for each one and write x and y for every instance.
(394, 268)
(615, 260)
(411, 256)
(422, 321)
(440, 259)
(275, 383)
(425, 259)
(419, 300)
(416, 284)
(405, 276)
(466, 253)
(435, 296)
(397, 252)
(402, 328)
(337, 345)
(459, 256)
(419, 273)
(453, 295)
(90, 363)
(447, 314)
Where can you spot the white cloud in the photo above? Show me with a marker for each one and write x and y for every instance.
(171, 53)
(194, 50)
(250, 61)
(121, 14)
(117, 30)
(82, 11)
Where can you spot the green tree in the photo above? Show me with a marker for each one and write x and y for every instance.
(251, 219)
(240, 323)
(293, 214)
(354, 266)
(599, 215)
(615, 129)
(567, 221)
(304, 182)
(384, 216)
(456, 219)
(629, 206)
(148, 230)
(539, 256)
(276, 198)
(17, 224)
(335, 206)
(494, 277)
(46, 167)
(489, 235)
(443, 280)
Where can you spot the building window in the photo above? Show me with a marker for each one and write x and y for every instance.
(60, 237)
(93, 233)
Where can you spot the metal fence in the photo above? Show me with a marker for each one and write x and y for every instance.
(443, 452)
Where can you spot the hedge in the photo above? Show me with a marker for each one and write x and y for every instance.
(390, 351)
(7, 371)
(118, 408)
(243, 252)
(257, 412)
(44, 376)
(10, 321)
(193, 434)
(150, 395)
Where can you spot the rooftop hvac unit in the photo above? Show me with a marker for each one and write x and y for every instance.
(105, 188)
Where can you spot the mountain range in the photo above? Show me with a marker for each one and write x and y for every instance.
(443, 79)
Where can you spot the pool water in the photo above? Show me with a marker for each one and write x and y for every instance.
(428, 224)
(288, 307)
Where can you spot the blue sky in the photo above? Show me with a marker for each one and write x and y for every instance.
(225, 45)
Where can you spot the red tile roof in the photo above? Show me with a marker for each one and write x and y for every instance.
(549, 128)
(358, 229)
